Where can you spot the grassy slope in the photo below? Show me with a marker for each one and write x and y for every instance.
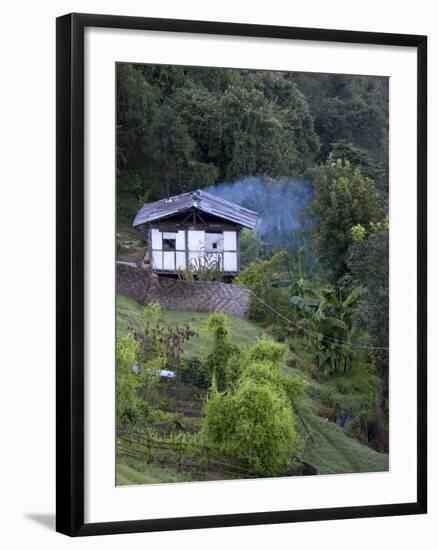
(331, 451)
(334, 452)
(242, 332)
(127, 475)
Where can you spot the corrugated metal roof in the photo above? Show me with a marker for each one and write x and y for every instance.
(200, 200)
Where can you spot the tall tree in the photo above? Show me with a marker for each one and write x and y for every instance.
(343, 198)
(350, 108)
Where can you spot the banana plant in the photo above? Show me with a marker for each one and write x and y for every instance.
(326, 319)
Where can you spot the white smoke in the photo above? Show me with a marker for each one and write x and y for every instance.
(280, 205)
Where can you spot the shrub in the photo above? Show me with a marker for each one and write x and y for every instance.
(218, 325)
(129, 405)
(158, 340)
(254, 426)
(261, 278)
(222, 362)
(292, 387)
(263, 372)
(268, 350)
(196, 373)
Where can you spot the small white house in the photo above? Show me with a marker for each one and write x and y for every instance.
(194, 230)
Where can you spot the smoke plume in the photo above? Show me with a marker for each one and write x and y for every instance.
(280, 205)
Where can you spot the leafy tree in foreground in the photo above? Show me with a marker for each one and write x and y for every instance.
(254, 426)
(253, 422)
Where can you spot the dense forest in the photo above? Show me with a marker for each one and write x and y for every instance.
(309, 153)
(185, 128)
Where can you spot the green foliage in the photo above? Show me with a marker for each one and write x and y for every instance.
(189, 128)
(357, 156)
(369, 266)
(251, 246)
(353, 109)
(172, 414)
(242, 331)
(265, 372)
(332, 451)
(184, 128)
(218, 360)
(243, 131)
(343, 199)
(358, 232)
(130, 407)
(158, 340)
(195, 372)
(260, 277)
(255, 426)
(368, 263)
(204, 268)
(253, 422)
(218, 326)
(327, 321)
(355, 395)
(223, 363)
(268, 350)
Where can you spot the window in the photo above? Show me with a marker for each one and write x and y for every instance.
(214, 241)
(169, 244)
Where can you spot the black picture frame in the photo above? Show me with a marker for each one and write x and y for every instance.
(70, 273)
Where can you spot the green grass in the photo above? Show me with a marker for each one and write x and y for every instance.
(334, 452)
(354, 394)
(242, 332)
(127, 475)
(329, 449)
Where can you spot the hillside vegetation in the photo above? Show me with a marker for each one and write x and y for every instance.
(177, 409)
(302, 386)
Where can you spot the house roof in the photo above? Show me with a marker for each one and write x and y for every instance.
(198, 200)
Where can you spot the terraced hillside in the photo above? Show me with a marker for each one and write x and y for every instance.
(177, 410)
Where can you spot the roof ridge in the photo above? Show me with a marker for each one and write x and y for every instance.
(198, 199)
(227, 201)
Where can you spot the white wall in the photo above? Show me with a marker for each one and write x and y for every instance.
(28, 323)
(199, 244)
(168, 260)
(214, 238)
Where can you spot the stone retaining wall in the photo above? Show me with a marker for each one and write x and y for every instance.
(137, 283)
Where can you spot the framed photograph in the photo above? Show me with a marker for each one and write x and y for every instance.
(241, 274)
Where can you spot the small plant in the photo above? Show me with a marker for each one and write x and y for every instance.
(225, 364)
(218, 325)
(224, 360)
(207, 267)
(195, 373)
(156, 339)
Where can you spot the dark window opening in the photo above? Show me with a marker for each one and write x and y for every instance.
(169, 244)
(214, 246)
